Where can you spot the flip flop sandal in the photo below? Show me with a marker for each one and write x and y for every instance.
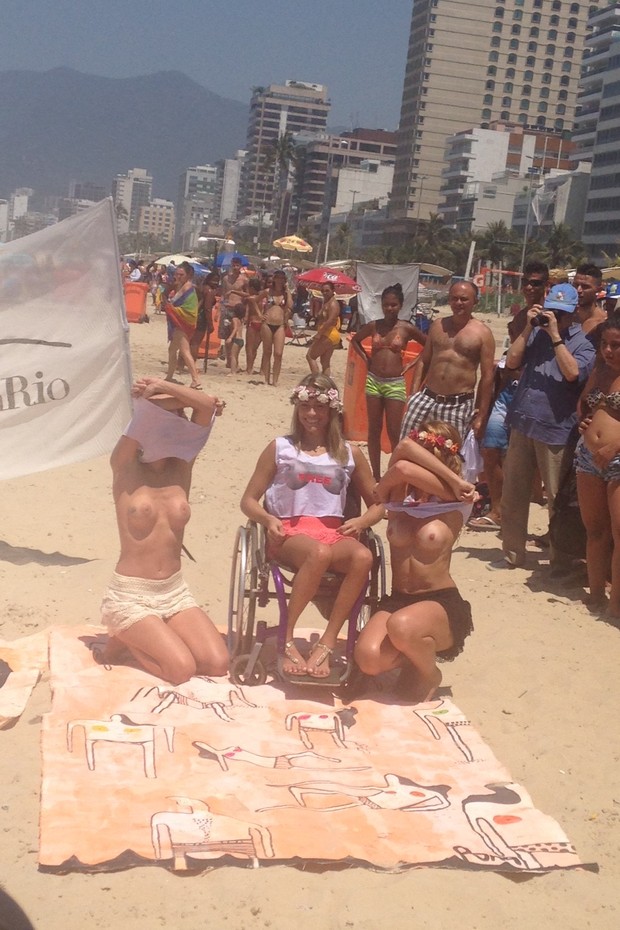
(294, 660)
(325, 651)
(483, 523)
(196, 387)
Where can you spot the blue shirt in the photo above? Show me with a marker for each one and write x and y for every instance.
(545, 403)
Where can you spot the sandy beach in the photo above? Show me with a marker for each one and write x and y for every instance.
(538, 679)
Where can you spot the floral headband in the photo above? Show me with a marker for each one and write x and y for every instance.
(303, 394)
(434, 441)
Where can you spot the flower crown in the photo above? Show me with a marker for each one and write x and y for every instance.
(434, 441)
(303, 394)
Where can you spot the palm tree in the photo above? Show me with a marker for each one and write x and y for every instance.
(432, 241)
(277, 161)
(498, 244)
(561, 249)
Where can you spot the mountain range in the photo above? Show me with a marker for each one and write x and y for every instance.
(62, 125)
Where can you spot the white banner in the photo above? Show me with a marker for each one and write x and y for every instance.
(373, 279)
(65, 371)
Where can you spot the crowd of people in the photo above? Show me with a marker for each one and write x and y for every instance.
(240, 309)
(549, 410)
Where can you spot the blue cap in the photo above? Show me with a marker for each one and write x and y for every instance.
(562, 297)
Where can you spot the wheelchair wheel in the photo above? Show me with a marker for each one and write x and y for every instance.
(243, 590)
(238, 671)
(376, 584)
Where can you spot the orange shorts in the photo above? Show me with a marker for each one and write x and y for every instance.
(323, 529)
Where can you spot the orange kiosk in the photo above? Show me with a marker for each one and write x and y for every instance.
(135, 300)
(354, 399)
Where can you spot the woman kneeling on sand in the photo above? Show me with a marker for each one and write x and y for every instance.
(147, 607)
(425, 616)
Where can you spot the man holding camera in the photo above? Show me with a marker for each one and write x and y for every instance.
(557, 359)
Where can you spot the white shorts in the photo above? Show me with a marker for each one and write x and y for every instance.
(128, 600)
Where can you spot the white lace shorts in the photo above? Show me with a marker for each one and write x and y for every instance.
(128, 600)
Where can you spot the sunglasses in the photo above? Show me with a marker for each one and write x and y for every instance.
(534, 282)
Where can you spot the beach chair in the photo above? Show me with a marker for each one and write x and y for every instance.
(300, 334)
(258, 584)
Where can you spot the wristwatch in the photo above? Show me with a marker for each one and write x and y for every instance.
(558, 343)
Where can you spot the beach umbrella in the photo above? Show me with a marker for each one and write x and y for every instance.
(344, 286)
(293, 244)
(177, 259)
(200, 270)
(224, 259)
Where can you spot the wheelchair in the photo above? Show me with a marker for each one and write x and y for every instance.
(250, 637)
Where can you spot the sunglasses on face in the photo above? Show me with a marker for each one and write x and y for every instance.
(534, 282)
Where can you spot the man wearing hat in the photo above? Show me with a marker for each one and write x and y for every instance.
(556, 358)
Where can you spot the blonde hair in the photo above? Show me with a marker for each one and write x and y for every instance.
(443, 440)
(334, 441)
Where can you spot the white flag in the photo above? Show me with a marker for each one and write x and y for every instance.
(541, 203)
(65, 371)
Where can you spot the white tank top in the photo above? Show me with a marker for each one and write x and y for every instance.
(307, 485)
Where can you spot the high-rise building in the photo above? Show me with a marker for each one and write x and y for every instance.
(320, 158)
(87, 190)
(476, 157)
(130, 192)
(228, 187)
(597, 131)
(157, 219)
(196, 199)
(472, 62)
(276, 111)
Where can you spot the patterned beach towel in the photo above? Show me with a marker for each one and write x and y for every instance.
(139, 772)
(182, 311)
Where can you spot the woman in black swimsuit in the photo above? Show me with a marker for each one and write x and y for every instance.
(425, 616)
(278, 305)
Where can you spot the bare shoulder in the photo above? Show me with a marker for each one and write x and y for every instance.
(478, 326)
(125, 453)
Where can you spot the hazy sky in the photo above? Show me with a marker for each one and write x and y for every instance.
(356, 47)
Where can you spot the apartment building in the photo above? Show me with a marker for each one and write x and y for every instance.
(474, 62)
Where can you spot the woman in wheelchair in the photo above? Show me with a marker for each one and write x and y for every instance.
(304, 478)
(425, 616)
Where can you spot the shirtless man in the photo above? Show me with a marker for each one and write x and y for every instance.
(147, 607)
(456, 347)
(587, 283)
(234, 291)
(425, 615)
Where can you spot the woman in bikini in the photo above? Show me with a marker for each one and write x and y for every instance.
(597, 462)
(255, 317)
(327, 334)
(278, 305)
(425, 616)
(303, 478)
(147, 608)
(385, 382)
